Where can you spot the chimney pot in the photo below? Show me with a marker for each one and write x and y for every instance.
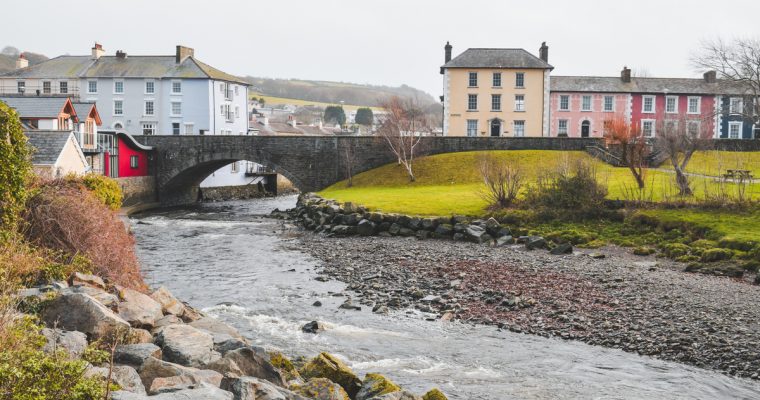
(711, 76)
(543, 52)
(97, 51)
(447, 49)
(121, 54)
(21, 61)
(625, 75)
(183, 53)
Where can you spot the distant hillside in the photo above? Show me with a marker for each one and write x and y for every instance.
(335, 92)
(9, 54)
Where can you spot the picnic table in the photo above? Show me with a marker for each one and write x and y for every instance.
(741, 174)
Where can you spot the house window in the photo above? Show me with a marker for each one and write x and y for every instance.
(647, 127)
(695, 104)
(149, 110)
(737, 105)
(586, 103)
(693, 128)
(188, 129)
(175, 128)
(497, 79)
(562, 128)
(472, 102)
(46, 87)
(519, 128)
(564, 102)
(221, 88)
(472, 127)
(520, 79)
(176, 108)
(734, 129)
(236, 90)
(21, 87)
(118, 86)
(134, 162)
(495, 102)
(63, 87)
(150, 87)
(234, 167)
(176, 87)
(92, 86)
(149, 129)
(671, 104)
(118, 107)
(473, 81)
(221, 110)
(647, 104)
(609, 103)
(519, 102)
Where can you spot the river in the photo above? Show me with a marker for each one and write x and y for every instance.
(234, 263)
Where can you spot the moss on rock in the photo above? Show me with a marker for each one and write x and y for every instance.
(322, 389)
(434, 394)
(325, 365)
(376, 385)
(719, 254)
(286, 367)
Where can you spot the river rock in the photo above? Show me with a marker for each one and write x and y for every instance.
(80, 279)
(137, 335)
(138, 309)
(107, 299)
(535, 242)
(171, 384)
(434, 394)
(250, 388)
(394, 229)
(444, 230)
(169, 319)
(185, 345)
(400, 395)
(504, 240)
(562, 248)
(214, 326)
(81, 312)
(325, 365)
(72, 342)
(127, 378)
(204, 392)
(136, 354)
(169, 303)
(376, 385)
(321, 388)
(342, 230)
(249, 361)
(365, 228)
(492, 226)
(224, 343)
(428, 224)
(313, 327)
(153, 368)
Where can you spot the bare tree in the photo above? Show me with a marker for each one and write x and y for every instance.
(632, 144)
(502, 181)
(402, 128)
(678, 140)
(349, 159)
(737, 63)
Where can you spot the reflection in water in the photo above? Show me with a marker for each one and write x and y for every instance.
(240, 266)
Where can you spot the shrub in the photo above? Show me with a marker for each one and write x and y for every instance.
(718, 254)
(502, 181)
(736, 244)
(68, 219)
(104, 188)
(643, 251)
(576, 191)
(572, 236)
(15, 167)
(675, 250)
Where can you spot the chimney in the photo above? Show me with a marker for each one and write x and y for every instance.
(447, 50)
(543, 52)
(97, 51)
(625, 75)
(120, 54)
(183, 53)
(711, 76)
(21, 61)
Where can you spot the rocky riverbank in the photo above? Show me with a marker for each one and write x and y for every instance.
(608, 297)
(164, 349)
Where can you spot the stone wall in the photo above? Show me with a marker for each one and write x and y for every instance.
(239, 192)
(737, 145)
(138, 190)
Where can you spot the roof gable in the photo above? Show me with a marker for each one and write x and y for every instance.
(40, 107)
(497, 58)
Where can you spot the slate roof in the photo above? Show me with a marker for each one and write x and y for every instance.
(497, 58)
(36, 107)
(83, 108)
(75, 67)
(47, 145)
(641, 85)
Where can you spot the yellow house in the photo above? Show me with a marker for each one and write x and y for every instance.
(496, 92)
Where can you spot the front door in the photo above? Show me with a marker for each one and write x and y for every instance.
(585, 129)
(495, 127)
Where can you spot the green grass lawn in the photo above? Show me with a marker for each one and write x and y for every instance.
(715, 163)
(734, 226)
(451, 184)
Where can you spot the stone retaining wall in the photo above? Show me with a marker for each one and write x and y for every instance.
(138, 190)
(239, 192)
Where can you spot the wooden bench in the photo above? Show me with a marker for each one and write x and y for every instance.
(740, 174)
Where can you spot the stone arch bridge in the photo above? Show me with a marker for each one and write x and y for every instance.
(312, 163)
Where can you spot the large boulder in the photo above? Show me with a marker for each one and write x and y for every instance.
(535, 242)
(401, 395)
(325, 365)
(139, 309)
(72, 342)
(204, 392)
(214, 326)
(153, 368)
(107, 299)
(80, 279)
(81, 312)
(323, 389)
(444, 230)
(136, 354)
(434, 394)
(185, 345)
(376, 385)
(171, 384)
(474, 233)
(365, 228)
(169, 303)
(250, 388)
(249, 361)
(127, 378)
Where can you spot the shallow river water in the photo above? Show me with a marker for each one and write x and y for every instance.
(234, 263)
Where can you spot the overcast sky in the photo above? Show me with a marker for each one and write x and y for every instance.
(384, 42)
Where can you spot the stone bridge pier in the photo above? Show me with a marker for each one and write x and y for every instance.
(312, 163)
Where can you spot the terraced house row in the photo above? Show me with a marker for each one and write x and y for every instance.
(510, 92)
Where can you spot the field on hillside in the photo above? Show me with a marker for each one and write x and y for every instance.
(450, 183)
(297, 102)
(715, 163)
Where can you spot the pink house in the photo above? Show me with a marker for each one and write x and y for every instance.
(580, 104)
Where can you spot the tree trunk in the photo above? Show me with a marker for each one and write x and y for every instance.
(683, 183)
